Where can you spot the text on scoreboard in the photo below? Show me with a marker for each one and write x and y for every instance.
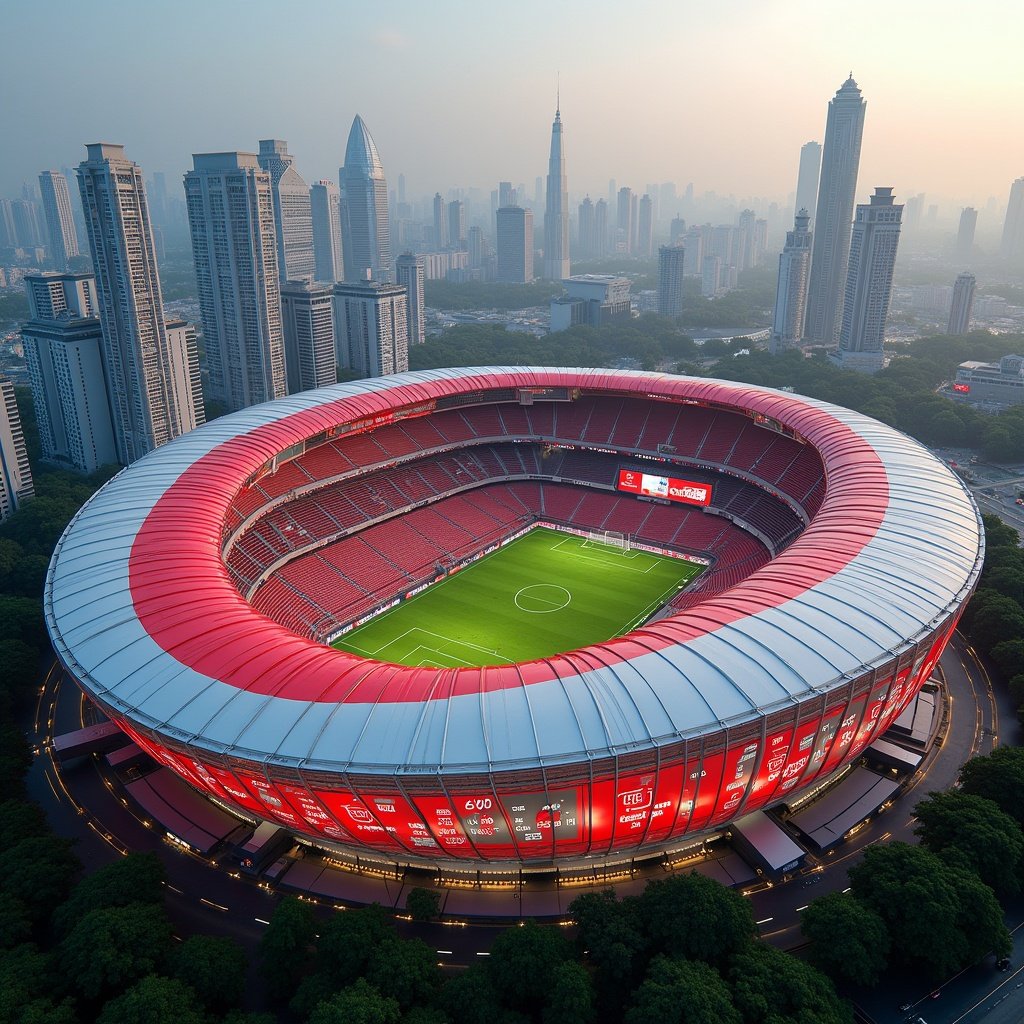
(672, 488)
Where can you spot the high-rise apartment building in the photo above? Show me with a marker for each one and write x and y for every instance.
(585, 228)
(149, 372)
(645, 227)
(791, 290)
(440, 221)
(28, 231)
(475, 247)
(307, 315)
(807, 178)
(515, 245)
(293, 218)
(840, 160)
(676, 231)
(325, 210)
(711, 276)
(625, 227)
(963, 304)
(63, 342)
(671, 271)
(371, 327)
(506, 194)
(15, 473)
(1013, 227)
(364, 193)
(234, 247)
(875, 238)
(457, 224)
(556, 209)
(410, 274)
(692, 242)
(965, 235)
(600, 227)
(62, 239)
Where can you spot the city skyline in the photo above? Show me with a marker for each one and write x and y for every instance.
(711, 143)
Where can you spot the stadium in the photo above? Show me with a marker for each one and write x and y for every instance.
(515, 617)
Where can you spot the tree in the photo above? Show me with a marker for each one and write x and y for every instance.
(998, 619)
(113, 947)
(214, 966)
(39, 871)
(980, 917)
(999, 776)
(571, 997)
(20, 819)
(137, 878)
(522, 964)
(360, 1003)
(153, 1000)
(347, 941)
(990, 839)
(695, 917)
(682, 992)
(848, 940)
(15, 924)
(286, 946)
(423, 904)
(471, 998)
(1009, 654)
(611, 933)
(405, 970)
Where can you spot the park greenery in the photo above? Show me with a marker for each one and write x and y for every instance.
(492, 295)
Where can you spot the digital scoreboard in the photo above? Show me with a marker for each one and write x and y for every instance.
(671, 488)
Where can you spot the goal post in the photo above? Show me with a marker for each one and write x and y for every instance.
(610, 538)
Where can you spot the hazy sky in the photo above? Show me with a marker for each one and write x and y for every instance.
(722, 94)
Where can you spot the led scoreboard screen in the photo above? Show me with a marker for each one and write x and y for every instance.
(671, 488)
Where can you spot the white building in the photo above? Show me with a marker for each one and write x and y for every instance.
(63, 340)
(307, 312)
(876, 236)
(62, 239)
(149, 379)
(15, 472)
(328, 254)
(234, 246)
(515, 245)
(371, 327)
(293, 218)
(410, 273)
(963, 304)
(807, 178)
(791, 291)
(591, 299)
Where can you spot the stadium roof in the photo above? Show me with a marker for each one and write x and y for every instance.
(142, 610)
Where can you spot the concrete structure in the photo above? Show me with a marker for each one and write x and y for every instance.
(440, 222)
(307, 315)
(410, 274)
(15, 472)
(28, 229)
(515, 245)
(671, 271)
(844, 128)
(149, 379)
(293, 217)
(325, 210)
(371, 327)
(234, 246)
(791, 290)
(365, 231)
(62, 239)
(591, 299)
(457, 224)
(963, 304)
(63, 342)
(710, 276)
(585, 229)
(964, 248)
(601, 227)
(999, 383)
(556, 208)
(1013, 226)
(625, 224)
(692, 242)
(876, 235)
(807, 179)
(645, 228)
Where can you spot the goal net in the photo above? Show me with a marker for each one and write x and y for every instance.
(611, 538)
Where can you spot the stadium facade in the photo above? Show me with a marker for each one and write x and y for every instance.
(192, 598)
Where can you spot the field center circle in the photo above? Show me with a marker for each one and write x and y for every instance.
(542, 598)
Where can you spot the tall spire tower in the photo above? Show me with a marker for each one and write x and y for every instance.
(556, 211)
(364, 227)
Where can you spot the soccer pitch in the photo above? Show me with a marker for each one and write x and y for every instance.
(544, 593)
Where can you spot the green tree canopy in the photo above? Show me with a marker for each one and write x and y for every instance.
(611, 932)
(137, 878)
(999, 777)
(39, 871)
(360, 1003)
(423, 904)
(522, 964)
(848, 940)
(405, 970)
(214, 966)
(286, 946)
(153, 1000)
(570, 1000)
(682, 992)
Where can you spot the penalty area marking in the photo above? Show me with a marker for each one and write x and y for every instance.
(544, 597)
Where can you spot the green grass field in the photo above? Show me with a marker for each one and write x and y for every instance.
(546, 592)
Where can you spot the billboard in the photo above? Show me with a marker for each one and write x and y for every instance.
(651, 485)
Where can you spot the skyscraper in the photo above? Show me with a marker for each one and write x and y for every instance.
(585, 228)
(625, 227)
(410, 272)
(556, 209)
(676, 231)
(307, 314)
(149, 373)
(293, 218)
(440, 222)
(60, 222)
(15, 472)
(506, 194)
(63, 342)
(515, 245)
(745, 229)
(234, 246)
(963, 304)
(457, 224)
(791, 290)
(600, 227)
(325, 209)
(671, 265)
(844, 128)
(1013, 226)
(367, 237)
(807, 178)
(371, 327)
(965, 235)
(645, 227)
(876, 235)
(27, 229)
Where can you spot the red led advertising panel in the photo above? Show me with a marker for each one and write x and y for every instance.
(653, 486)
